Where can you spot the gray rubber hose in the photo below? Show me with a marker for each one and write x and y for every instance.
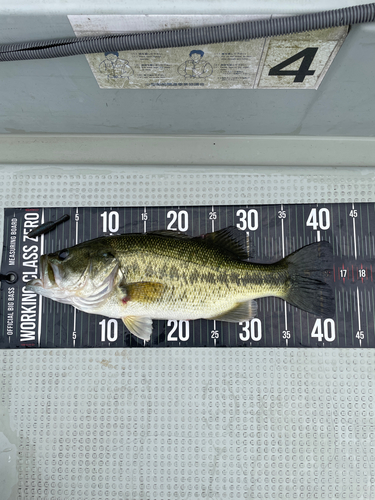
(246, 30)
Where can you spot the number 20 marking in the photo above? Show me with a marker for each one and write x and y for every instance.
(183, 330)
(182, 220)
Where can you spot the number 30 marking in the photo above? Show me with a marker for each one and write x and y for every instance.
(251, 329)
(249, 220)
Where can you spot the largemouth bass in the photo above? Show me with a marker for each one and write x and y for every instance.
(166, 275)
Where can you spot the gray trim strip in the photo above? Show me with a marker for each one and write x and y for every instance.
(187, 150)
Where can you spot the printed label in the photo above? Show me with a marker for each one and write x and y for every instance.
(294, 61)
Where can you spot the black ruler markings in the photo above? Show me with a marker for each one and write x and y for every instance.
(272, 231)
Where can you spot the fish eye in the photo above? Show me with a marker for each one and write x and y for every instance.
(108, 255)
(63, 254)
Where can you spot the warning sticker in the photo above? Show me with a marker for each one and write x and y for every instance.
(294, 61)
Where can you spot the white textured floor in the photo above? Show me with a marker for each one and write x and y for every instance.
(188, 423)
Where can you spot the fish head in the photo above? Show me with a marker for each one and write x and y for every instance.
(85, 271)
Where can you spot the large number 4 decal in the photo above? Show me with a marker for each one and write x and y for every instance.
(300, 73)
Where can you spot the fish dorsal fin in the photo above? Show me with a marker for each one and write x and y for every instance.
(229, 240)
(243, 311)
(167, 233)
(142, 291)
(138, 326)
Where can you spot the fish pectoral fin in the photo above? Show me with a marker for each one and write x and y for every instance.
(240, 312)
(138, 326)
(142, 291)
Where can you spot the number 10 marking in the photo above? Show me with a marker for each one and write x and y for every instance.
(111, 221)
(111, 332)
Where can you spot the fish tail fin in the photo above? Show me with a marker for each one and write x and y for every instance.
(307, 270)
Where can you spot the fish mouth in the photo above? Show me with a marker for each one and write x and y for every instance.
(47, 275)
(47, 272)
(47, 285)
(50, 274)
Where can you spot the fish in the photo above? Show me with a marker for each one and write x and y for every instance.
(165, 274)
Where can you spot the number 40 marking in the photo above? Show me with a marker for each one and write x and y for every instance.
(328, 332)
(319, 219)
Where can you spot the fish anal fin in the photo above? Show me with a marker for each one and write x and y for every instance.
(142, 291)
(242, 311)
(138, 326)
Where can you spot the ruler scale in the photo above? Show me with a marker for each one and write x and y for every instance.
(269, 233)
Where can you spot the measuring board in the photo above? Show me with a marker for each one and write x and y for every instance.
(273, 231)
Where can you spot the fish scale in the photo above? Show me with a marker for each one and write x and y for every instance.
(201, 272)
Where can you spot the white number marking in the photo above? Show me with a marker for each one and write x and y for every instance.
(328, 331)
(214, 334)
(109, 330)
(321, 219)
(249, 220)
(251, 329)
(360, 335)
(111, 221)
(182, 218)
(183, 330)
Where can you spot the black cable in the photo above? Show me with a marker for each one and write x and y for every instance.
(246, 30)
